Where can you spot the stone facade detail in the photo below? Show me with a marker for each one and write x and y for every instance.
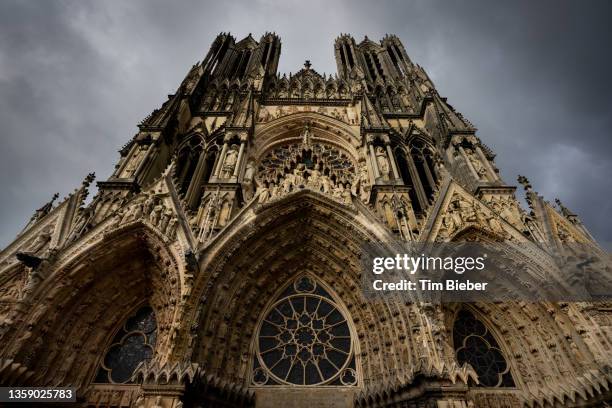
(242, 182)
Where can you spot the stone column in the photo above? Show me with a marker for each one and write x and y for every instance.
(145, 159)
(374, 162)
(239, 160)
(428, 174)
(193, 192)
(487, 164)
(220, 160)
(392, 161)
(417, 183)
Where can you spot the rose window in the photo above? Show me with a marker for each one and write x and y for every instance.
(304, 339)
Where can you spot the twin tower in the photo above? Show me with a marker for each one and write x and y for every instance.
(220, 264)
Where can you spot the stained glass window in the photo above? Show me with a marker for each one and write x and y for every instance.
(132, 344)
(474, 344)
(304, 339)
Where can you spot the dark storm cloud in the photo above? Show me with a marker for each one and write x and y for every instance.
(76, 77)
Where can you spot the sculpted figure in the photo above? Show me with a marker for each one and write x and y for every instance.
(172, 226)
(263, 115)
(495, 224)
(231, 157)
(448, 224)
(363, 184)
(156, 214)
(134, 213)
(326, 184)
(350, 113)
(477, 164)
(287, 183)
(249, 172)
(298, 176)
(314, 181)
(149, 204)
(455, 211)
(274, 190)
(383, 162)
(339, 190)
(306, 136)
(40, 241)
(406, 101)
(264, 194)
(346, 194)
(165, 219)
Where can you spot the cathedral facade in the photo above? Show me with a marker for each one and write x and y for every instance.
(219, 265)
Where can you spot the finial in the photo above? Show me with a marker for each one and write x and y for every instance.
(564, 210)
(307, 64)
(525, 182)
(88, 179)
(45, 209)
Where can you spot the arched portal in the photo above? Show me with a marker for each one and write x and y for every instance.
(255, 267)
(76, 315)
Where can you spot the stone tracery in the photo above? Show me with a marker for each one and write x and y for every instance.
(312, 165)
(304, 340)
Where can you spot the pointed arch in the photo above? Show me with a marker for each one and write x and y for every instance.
(475, 344)
(255, 254)
(133, 343)
(75, 309)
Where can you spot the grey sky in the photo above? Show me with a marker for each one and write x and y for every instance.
(534, 77)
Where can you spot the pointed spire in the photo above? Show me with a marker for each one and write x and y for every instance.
(45, 209)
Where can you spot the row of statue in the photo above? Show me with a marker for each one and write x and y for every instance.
(153, 210)
(461, 212)
(301, 178)
(347, 115)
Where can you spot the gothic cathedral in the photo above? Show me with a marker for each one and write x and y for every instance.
(219, 265)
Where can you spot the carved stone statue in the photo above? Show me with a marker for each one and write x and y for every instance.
(274, 190)
(314, 180)
(287, 183)
(477, 164)
(41, 240)
(383, 162)
(326, 184)
(306, 136)
(249, 172)
(231, 158)
(346, 194)
(298, 176)
(156, 214)
(264, 194)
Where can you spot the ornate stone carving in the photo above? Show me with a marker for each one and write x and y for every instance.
(325, 165)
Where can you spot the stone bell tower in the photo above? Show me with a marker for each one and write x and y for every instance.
(220, 263)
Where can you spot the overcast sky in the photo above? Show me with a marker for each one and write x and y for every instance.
(534, 77)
